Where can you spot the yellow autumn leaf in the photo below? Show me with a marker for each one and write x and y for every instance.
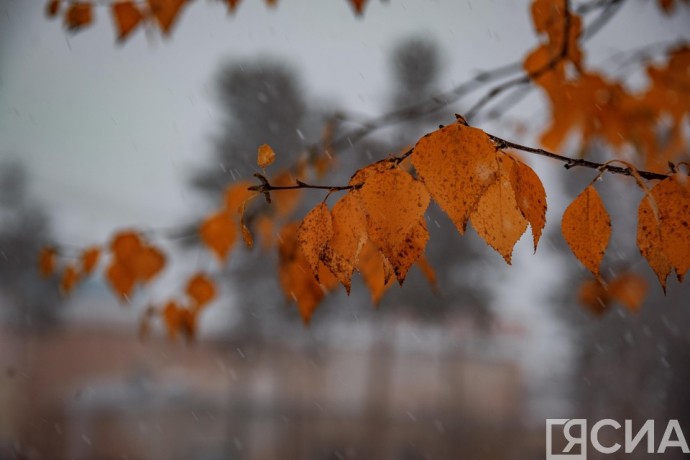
(586, 227)
(296, 277)
(265, 156)
(313, 235)
(497, 218)
(70, 278)
(375, 271)
(649, 240)
(394, 204)
(165, 12)
(219, 232)
(201, 289)
(89, 259)
(530, 197)
(341, 254)
(672, 197)
(47, 260)
(127, 16)
(457, 164)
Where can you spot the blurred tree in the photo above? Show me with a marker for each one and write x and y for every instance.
(416, 66)
(261, 102)
(26, 300)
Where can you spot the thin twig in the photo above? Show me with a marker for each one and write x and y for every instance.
(444, 99)
(530, 76)
(573, 162)
(265, 187)
(610, 10)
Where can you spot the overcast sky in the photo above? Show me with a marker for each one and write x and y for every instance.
(109, 132)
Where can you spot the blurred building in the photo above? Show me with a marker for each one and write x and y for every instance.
(407, 391)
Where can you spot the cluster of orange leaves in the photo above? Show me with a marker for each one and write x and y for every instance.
(129, 15)
(596, 106)
(133, 262)
(472, 180)
(180, 317)
(459, 167)
(663, 231)
(378, 226)
(72, 273)
(628, 289)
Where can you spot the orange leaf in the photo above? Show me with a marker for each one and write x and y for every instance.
(372, 266)
(264, 226)
(363, 174)
(586, 227)
(327, 280)
(121, 279)
(594, 295)
(456, 163)
(201, 289)
(540, 58)
(266, 156)
(427, 270)
(171, 318)
(497, 218)
(649, 240)
(349, 235)
(313, 235)
(358, 5)
(46, 261)
(178, 319)
(285, 201)
(146, 264)
(232, 5)
(126, 244)
(549, 18)
(530, 197)
(89, 259)
(666, 5)
(247, 236)
(629, 289)
(127, 17)
(165, 12)
(409, 250)
(52, 8)
(395, 229)
(78, 15)
(187, 323)
(672, 197)
(296, 277)
(70, 278)
(237, 194)
(219, 232)
(133, 261)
